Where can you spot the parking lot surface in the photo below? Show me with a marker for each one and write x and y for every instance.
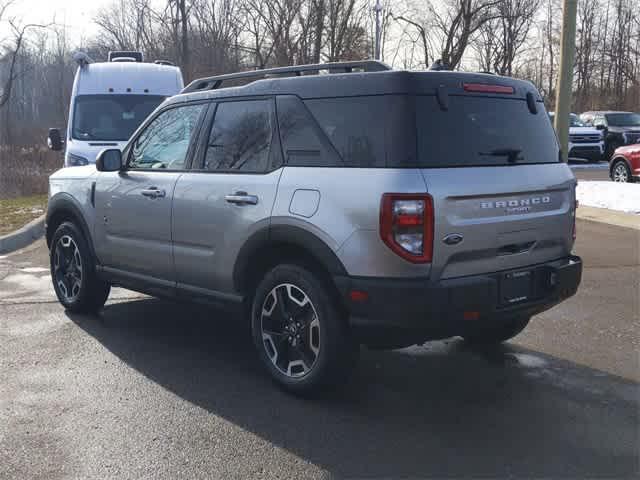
(154, 389)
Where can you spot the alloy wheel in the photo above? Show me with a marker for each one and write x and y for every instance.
(290, 330)
(67, 268)
(620, 173)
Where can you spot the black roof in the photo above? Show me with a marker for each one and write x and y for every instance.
(355, 83)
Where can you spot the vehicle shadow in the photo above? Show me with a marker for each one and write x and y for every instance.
(438, 411)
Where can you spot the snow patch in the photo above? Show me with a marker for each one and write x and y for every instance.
(34, 270)
(624, 197)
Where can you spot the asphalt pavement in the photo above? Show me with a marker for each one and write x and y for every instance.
(599, 172)
(153, 389)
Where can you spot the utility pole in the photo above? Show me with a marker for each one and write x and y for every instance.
(564, 87)
(378, 9)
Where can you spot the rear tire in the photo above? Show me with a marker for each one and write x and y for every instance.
(300, 332)
(497, 334)
(73, 271)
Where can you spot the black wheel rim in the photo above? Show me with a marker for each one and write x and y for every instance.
(290, 330)
(67, 268)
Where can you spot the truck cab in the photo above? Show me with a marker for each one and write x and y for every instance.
(109, 101)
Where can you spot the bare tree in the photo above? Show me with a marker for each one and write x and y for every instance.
(457, 23)
(422, 35)
(501, 38)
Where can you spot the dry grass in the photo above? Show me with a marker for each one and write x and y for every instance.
(25, 171)
(17, 212)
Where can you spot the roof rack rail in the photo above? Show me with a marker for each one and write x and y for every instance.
(212, 83)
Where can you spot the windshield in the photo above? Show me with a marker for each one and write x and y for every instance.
(574, 121)
(623, 119)
(111, 117)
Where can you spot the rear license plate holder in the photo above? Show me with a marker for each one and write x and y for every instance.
(516, 287)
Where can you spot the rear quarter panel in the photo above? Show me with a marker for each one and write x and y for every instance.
(347, 217)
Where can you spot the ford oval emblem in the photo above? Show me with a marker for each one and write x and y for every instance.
(453, 239)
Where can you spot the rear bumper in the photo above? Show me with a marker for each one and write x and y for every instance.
(416, 310)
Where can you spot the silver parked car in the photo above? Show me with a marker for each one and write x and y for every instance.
(358, 206)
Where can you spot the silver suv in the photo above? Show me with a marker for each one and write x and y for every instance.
(334, 205)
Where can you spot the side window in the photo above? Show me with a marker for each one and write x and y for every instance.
(301, 138)
(368, 131)
(165, 141)
(241, 136)
(599, 121)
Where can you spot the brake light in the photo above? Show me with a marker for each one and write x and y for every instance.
(484, 88)
(406, 225)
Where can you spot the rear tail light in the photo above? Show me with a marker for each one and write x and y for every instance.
(406, 225)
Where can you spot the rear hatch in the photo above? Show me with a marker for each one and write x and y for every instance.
(502, 198)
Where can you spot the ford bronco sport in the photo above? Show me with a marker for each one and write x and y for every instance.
(335, 207)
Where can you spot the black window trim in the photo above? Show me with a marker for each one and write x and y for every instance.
(319, 131)
(192, 141)
(275, 148)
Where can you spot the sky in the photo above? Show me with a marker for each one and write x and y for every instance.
(76, 14)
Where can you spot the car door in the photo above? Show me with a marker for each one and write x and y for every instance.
(133, 206)
(227, 196)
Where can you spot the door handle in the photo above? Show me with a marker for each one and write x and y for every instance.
(242, 198)
(153, 192)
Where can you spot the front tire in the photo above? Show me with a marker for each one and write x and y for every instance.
(497, 334)
(73, 271)
(301, 335)
(620, 172)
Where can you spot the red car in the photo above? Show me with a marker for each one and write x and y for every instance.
(625, 164)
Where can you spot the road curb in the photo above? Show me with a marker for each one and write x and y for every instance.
(22, 237)
(612, 217)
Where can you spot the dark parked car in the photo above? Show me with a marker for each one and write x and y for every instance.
(621, 128)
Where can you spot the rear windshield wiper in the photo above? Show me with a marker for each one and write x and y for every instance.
(512, 154)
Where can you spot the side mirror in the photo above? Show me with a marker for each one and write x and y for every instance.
(601, 127)
(54, 139)
(109, 160)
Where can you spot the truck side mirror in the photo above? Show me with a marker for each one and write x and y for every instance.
(109, 160)
(54, 139)
(600, 126)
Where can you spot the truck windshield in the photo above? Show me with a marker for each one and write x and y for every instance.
(574, 121)
(623, 119)
(111, 117)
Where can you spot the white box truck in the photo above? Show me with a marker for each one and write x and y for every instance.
(109, 101)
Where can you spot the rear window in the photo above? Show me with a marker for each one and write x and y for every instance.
(478, 131)
(397, 131)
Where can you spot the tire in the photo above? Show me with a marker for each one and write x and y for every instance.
(620, 172)
(73, 271)
(497, 334)
(301, 334)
